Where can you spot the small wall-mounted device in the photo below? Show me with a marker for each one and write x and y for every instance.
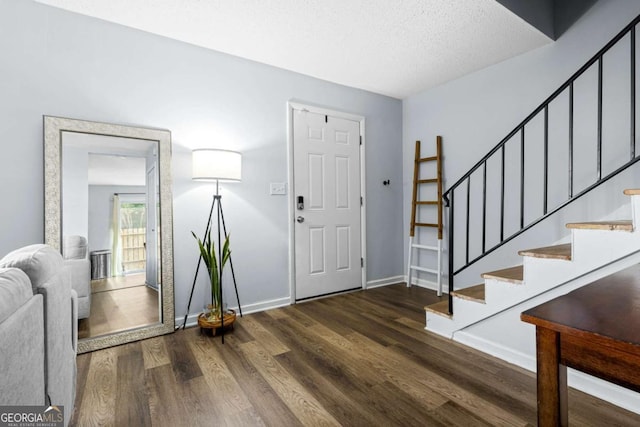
(300, 203)
(386, 182)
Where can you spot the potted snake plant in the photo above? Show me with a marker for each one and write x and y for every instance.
(214, 268)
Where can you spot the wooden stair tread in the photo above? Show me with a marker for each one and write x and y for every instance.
(552, 252)
(441, 308)
(619, 225)
(473, 293)
(511, 274)
(632, 191)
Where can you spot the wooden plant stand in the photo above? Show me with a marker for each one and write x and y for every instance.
(215, 326)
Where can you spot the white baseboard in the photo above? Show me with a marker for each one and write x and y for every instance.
(427, 284)
(497, 350)
(609, 392)
(399, 279)
(385, 282)
(192, 319)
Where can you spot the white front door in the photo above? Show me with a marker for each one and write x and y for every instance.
(326, 188)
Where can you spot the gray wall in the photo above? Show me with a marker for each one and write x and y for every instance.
(75, 193)
(58, 63)
(475, 112)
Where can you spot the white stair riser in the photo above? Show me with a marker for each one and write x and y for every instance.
(592, 249)
(507, 295)
(592, 245)
(635, 211)
(495, 326)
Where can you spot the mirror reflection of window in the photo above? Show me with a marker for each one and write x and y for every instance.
(133, 234)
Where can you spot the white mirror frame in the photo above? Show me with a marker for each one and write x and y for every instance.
(53, 128)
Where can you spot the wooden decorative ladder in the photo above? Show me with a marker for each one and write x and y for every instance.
(415, 203)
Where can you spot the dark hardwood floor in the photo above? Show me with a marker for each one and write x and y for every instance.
(360, 359)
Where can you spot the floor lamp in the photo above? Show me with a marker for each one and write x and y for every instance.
(216, 165)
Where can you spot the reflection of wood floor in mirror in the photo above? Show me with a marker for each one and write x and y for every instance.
(120, 282)
(121, 303)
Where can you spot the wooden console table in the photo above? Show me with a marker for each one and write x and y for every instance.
(594, 329)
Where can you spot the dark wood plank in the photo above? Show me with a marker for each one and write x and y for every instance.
(132, 403)
(229, 397)
(200, 402)
(405, 410)
(154, 352)
(364, 358)
(339, 404)
(272, 410)
(240, 332)
(165, 405)
(82, 362)
(182, 360)
(452, 414)
(99, 394)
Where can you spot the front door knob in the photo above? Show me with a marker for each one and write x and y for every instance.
(300, 219)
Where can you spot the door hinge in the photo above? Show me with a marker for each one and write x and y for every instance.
(360, 139)
(361, 262)
(326, 118)
(361, 201)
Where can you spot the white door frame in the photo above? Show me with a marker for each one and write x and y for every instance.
(295, 105)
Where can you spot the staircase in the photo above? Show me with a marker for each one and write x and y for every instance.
(505, 204)
(593, 245)
(508, 192)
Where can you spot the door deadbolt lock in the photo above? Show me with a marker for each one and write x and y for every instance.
(300, 203)
(300, 219)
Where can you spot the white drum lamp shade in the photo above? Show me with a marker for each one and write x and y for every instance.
(216, 165)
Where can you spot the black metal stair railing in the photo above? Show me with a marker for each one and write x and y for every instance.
(499, 151)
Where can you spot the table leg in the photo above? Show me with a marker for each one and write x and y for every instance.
(552, 380)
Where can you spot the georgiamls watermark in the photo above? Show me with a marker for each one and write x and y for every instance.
(31, 416)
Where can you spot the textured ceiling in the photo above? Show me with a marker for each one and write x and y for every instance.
(392, 47)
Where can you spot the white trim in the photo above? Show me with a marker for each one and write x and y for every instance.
(385, 282)
(408, 275)
(422, 283)
(290, 205)
(297, 105)
(497, 350)
(363, 208)
(611, 393)
(294, 104)
(192, 319)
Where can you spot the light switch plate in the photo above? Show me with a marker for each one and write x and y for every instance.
(278, 189)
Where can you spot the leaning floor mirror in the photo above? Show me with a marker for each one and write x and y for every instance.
(108, 209)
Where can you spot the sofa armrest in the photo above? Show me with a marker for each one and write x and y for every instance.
(79, 271)
(74, 320)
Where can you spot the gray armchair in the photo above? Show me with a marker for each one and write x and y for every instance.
(76, 260)
(45, 269)
(21, 340)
